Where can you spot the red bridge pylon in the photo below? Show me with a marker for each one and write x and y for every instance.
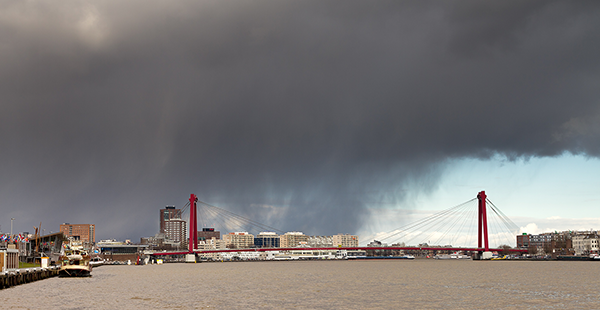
(482, 228)
(193, 224)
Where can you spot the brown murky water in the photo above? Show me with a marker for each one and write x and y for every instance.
(385, 284)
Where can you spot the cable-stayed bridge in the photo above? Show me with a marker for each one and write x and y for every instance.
(456, 225)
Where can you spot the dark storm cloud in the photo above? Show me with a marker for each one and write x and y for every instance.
(112, 110)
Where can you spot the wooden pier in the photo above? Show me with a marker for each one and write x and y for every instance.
(25, 275)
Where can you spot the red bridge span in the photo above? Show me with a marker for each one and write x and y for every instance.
(340, 248)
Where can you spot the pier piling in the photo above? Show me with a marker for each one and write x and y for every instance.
(20, 276)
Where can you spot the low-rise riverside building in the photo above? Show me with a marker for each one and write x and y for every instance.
(239, 240)
(267, 239)
(113, 250)
(586, 244)
(345, 240)
(320, 242)
(208, 233)
(212, 244)
(523, 241)
(558, 243)
(155, 242)
(540, 241)
(292, 239)
(555, 243)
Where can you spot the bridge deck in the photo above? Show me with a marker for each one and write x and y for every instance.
(346, 248)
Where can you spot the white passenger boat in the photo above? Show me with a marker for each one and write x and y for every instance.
(97, 261)
(452, 256)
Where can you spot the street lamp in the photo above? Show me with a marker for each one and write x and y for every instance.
(11, 224)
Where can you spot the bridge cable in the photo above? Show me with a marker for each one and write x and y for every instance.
(239, 222)
(438, 225)
(431, 223)
(237, 216)
(462, 225)
(217, 217)
(252, 222)
(427, 224)
(442, 222)
(509, 223)
(228, 222)
(405, 228)
(501, 217)
(184, 209)
(473, 231)
(493, 228)
(459, 217)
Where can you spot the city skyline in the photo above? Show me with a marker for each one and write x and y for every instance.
(310, 116)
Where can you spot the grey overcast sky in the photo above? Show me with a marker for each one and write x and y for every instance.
(298, 114)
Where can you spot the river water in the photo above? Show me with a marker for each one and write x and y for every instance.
(380, 284)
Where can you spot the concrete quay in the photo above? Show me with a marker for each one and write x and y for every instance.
(25, 275)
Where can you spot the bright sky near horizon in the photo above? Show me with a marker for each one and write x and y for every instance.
(538, 194)
(564, 186)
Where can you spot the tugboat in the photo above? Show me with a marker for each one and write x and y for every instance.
(75, 260)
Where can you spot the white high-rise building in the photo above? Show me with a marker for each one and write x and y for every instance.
(176, 231)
